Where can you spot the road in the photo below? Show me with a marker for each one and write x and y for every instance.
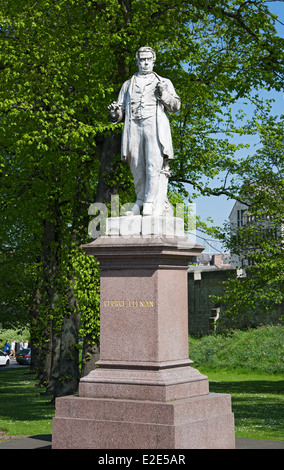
(13, 365)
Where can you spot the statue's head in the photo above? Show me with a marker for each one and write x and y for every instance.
(145, 59)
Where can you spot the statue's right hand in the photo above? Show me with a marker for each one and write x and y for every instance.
(112, 105)
(113, 110)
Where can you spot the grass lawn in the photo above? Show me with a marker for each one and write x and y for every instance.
(257, 402)
(23, 408)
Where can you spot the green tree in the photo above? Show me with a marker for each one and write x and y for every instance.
(62, 63)
(259, 241)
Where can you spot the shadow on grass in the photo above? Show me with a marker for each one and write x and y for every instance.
(258, 405)
(20, 398)
(250, 386)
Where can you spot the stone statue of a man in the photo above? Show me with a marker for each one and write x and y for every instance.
(143, 103)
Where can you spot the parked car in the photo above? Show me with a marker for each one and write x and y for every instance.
(4, 359)
(24, 357)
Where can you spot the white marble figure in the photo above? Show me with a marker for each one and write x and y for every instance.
(143, 103)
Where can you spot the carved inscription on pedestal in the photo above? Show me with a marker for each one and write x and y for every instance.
(128, 303)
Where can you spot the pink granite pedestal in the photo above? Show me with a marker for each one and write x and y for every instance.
(144, 394)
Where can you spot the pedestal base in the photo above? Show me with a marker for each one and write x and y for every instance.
(203, 422)
(163, 384)
(152, 225)
(144, 394)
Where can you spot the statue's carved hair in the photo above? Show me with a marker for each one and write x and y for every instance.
(145, 49)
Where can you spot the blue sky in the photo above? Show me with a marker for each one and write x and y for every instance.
(219, 208)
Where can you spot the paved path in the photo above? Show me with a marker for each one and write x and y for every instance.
(44, 442)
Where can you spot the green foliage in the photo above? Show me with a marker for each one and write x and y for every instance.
(259, 350)
(118, 175)
(86, 279)
(11, 334)
(259, 241)
(17, 281)
(61, 64)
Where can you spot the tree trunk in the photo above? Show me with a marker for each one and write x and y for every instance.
(108, 147)
(36, 365)
(90, 355)
(40, 340)
(61, 371)
(64, 378)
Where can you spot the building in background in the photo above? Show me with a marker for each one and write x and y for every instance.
(204, 280)
(237, 219)
(264, 225)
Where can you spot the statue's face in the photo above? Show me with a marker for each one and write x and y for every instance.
(145, 62)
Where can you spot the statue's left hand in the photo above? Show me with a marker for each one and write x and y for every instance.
(160, 88)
